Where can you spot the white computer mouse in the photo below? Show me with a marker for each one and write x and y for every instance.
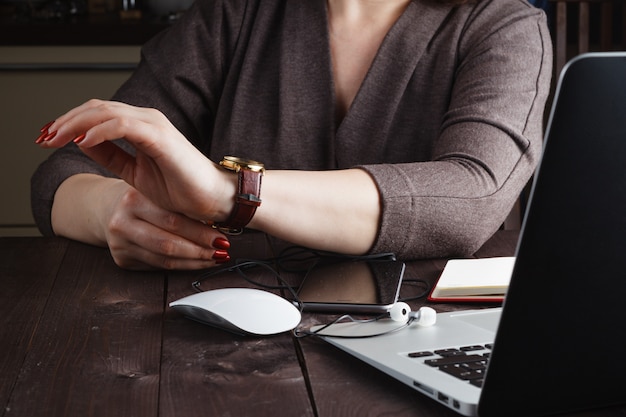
(245, 311)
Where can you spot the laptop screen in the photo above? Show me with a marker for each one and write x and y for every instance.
(559, 341)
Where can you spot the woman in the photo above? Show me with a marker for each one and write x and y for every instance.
(384, 125)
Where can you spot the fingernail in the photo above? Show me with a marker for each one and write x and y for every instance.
(220, 254)
(46, 126)
(40, 137)
(222, 261)
(79, 138)
(221, 243)
(49, 136)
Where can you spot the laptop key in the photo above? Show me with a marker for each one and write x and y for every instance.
(477, 382)
(421, 354)
(458, 362)
(472, 348)
(451, 360)
(449, 352)
(462, 372)
(481, 365)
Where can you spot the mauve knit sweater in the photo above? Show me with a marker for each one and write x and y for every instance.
(448, 121)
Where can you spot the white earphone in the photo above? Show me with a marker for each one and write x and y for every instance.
(425, 316)
(355, 329)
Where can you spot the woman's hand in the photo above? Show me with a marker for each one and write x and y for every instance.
(167, 168)
(139, 234)
(142, 235)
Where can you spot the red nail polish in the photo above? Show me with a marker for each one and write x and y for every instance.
(222, 261)
(79, 138)
(40, 137)
(221, 243)
(49, 136)
(220, 254)
(46, 126)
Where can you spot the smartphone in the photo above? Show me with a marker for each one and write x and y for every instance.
(351, 286)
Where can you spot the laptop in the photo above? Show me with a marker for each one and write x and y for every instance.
(556, 344)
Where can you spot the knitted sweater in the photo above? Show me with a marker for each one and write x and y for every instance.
(448, 121)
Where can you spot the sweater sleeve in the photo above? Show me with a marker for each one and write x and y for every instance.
(195, 81)
(488, 146)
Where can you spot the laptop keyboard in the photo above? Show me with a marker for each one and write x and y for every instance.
(468, 363)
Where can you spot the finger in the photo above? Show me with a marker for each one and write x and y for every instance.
(193, 230)
(67, 126)
(162, 243)
(163, 252)
(138, 237)
(94, 113)
(137, 258)
(178, 224)
(65, 118)
(114, 159)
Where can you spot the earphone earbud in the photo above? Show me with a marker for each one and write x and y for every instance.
(399, 312)
(425, 316)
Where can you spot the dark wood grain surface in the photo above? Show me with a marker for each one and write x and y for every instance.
(81, 337)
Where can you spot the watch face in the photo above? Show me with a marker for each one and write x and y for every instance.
(235, 163)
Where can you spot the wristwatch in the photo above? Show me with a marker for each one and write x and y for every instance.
(248, 196)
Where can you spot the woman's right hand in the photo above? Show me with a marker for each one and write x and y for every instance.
(165, 167)
(139, 234)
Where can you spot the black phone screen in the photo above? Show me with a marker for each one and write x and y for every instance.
(352, 286)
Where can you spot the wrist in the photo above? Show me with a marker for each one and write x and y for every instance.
(226, 202)
(247, 196)
(83, 206)
(109, 195)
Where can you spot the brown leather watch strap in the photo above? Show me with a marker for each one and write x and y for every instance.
(247, 200)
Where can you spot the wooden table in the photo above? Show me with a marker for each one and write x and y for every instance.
(81, 337)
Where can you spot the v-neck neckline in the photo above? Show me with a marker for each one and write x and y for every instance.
(395, 60)
(347, 70)
(367, 75)
(307, 71)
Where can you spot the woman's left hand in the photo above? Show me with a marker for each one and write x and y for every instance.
(167, 168)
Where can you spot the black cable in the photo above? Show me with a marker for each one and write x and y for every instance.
(298, 259)
(306, 333)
